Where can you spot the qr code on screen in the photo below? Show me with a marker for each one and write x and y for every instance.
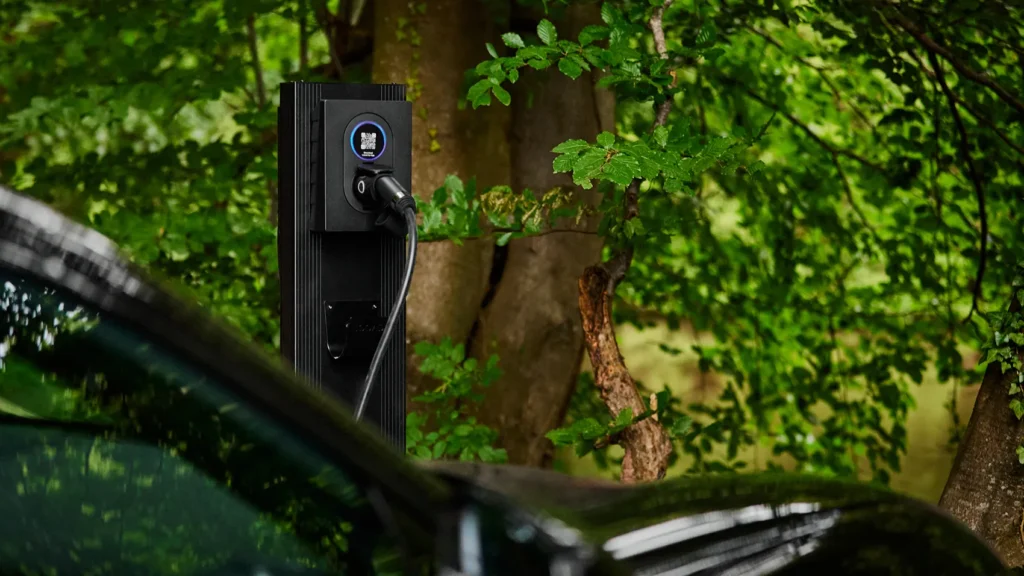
(367, 140)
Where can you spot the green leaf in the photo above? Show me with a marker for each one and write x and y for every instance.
(564, 163)
(680, 427)
(605, 139)
(583, 448)
(570, 68)
(491, 50)
(513, 40)
(1020, 454)
(439, 449)
(587, 167)
(661, 136)
(561, 436)
(591, 33)
(546, 32)
(610, 14)
(1018, 408)
(588, 429)
(479, 89)
(571, 147)
(624, 418)
(503, 96)
(621, 169)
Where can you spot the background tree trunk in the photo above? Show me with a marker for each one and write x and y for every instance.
(533, 322)
(985, 489)
(449, 283)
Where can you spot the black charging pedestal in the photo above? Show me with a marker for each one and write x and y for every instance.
(341, 271)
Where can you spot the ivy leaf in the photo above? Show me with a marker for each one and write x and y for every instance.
(1018, 408)
(546, 32)
(513, 40)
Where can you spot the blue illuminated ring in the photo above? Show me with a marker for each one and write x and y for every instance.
(352, 140)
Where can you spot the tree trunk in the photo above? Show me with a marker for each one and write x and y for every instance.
(985, 489)
(532, 322)
(646, 445)
(449, 282)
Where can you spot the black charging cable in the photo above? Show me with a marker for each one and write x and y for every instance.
(383, 189)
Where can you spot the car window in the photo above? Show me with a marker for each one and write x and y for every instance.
(119, 458)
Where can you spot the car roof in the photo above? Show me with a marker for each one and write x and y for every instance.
(38, 242)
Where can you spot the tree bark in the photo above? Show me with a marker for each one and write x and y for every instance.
(449, 282)
(646, 445)
(985, 489)
(532, 322)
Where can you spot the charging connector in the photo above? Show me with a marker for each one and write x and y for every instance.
(378, 191)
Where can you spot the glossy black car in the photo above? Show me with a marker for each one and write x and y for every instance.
(137, 436)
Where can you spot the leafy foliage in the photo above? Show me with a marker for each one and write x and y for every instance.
(831, 201)
(446, 431)
(456, 211)
(593, 429)
(830, 244)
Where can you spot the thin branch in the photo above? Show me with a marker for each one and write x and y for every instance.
(821, 71)
(828, 146)
(303, 36)
(979, 191)
(325, 19)
(492, 231)
(657, 27)
(935, 49)
(254, 55)
(972, 111)
(619, 264)
(357, 12)
(612, 439)
(849, 197)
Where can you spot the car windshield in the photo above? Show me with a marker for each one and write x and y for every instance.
(116, 457)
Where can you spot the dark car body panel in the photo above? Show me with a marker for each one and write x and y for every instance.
(37, 241)
(745, 524)
(713, 525)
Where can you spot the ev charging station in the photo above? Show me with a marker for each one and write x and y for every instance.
(344, 170)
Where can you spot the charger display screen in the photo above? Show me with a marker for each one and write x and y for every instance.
(368, 141)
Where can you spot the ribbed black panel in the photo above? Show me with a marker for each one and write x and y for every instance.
(392, 405)
(315, 266)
